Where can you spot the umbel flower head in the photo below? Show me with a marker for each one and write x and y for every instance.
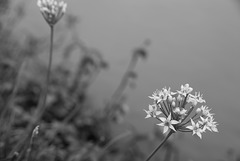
(52, 10)
(178, 111)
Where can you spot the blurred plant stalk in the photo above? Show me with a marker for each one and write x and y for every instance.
(42, 103)
(52, 12)
(130, 74)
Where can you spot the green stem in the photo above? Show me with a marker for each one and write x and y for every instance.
(163, 109)
(159, 146)
(166, 107)
(189, 112)
(190, 120)
(42, 103)
(184, 102)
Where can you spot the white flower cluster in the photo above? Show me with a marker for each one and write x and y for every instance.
(178, 111)
(52, 10)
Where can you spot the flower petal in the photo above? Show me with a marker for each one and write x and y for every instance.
(199, 135)
(161, 124)
(165, 129)
(163, 119)
(190, 127)
(171, 127)
(174, 122)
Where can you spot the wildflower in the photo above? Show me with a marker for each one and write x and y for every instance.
(199, 97)
(185, 89)
(196, 129)
(163, 95)
(167, 123)
(212, 124)
(195, 99)
(205, 123)
(205, 111)
(177, 111)
(152, 112)
(167, 93)
(192, 99)
(156, 96)
(52, 10)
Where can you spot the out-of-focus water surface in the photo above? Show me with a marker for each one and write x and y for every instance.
(193, 41)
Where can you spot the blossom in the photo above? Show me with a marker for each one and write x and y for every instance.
(167, 93)
(196, 129)
(192, 99)
(177, 111)
(52, 10)
(212, 124)
(157, 96)
(195, 99)
(185, 89)
(167, 123)
(205, 111)
(152, 112)
(199, 97)
(162, 95)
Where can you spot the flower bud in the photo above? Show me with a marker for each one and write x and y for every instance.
(170, 98)
(179, 98)
(173, 103)
(52, 10)
(198, 110)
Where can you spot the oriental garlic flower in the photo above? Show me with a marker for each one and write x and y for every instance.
(152, 112)
(178, 111)
(167, 123)
(52, 10)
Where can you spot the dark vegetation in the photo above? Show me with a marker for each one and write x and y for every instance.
(70, 127)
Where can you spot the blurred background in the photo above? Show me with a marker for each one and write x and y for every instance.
(195, 42)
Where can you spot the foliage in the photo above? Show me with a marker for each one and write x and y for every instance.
(71, 128)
